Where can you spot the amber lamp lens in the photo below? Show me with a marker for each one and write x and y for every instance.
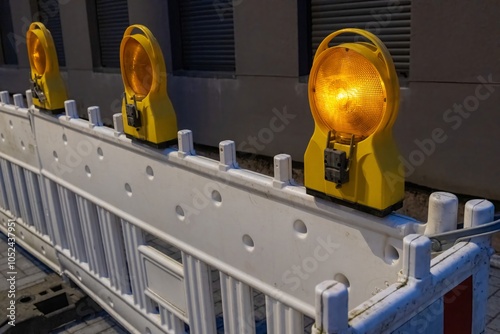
(137, 68)
(37, 54)
(349, 93)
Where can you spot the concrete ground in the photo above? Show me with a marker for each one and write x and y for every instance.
(31, 271)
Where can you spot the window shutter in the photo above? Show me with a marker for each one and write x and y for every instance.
(207, 35)
(51, 18)
(112, 20)
(389, 20)
(6, 35)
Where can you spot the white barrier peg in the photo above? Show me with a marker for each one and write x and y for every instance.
(19, 100)
(478, 212)
(442, 216)
(4, 97)
(94, 116)
(416, 256)
(29, 98)
(282, 170)
(227, 153)
(70, 108)
(331, 308)
(118, 124)
(185, 138)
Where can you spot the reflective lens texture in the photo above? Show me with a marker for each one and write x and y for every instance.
(348, 93)
(137, 68)
(37, 54)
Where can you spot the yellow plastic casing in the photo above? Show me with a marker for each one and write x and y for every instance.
(48, 79)
(158, 119)
(375, 184)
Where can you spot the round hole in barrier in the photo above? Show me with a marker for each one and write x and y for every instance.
(100, 153)
(150, 172)
(300, 228)
(217, 197)
(391, 254)
(180, 213)
(248, 242)
(341, 278)
(87, 170)
(128, 189)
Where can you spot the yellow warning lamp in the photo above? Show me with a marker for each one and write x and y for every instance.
(148, 114)
(47, 86)
(354, 98)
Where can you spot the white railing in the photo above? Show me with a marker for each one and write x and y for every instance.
(165, 238)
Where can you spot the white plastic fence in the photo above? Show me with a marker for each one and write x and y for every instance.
(170, 242)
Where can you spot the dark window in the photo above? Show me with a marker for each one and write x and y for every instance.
(7, 48)
(112, 20)
(48, 14)
(206, 34)
(388, 19)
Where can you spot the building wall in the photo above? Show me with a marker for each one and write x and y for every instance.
(263, 105)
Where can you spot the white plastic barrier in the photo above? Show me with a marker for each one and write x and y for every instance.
(166, 240)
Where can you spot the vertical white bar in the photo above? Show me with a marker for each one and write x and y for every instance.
(200, 304)
(55, 220)
(237, 306)
(114, 251)
(3, 193)
(72, 224)
(170, 322)
(22, 194)
(40, 188)
(92, 237)
(134, 237)
(8, 179)
(35, 201)
(282, 319)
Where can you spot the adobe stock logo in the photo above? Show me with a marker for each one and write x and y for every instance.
(453, 118)
(297, 273)
(265, 136)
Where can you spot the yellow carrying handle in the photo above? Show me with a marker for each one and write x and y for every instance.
(152, 49)
(368, 35)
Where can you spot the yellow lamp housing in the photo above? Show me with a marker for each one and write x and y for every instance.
(354, 99)
(47, 86)
(148, 114)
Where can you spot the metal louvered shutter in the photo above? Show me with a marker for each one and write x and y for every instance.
(207, 35)
(50, 17)
(6, 35)
(388, 19)
(112, 20)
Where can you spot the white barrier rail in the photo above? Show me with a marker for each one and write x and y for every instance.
(166, 240)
